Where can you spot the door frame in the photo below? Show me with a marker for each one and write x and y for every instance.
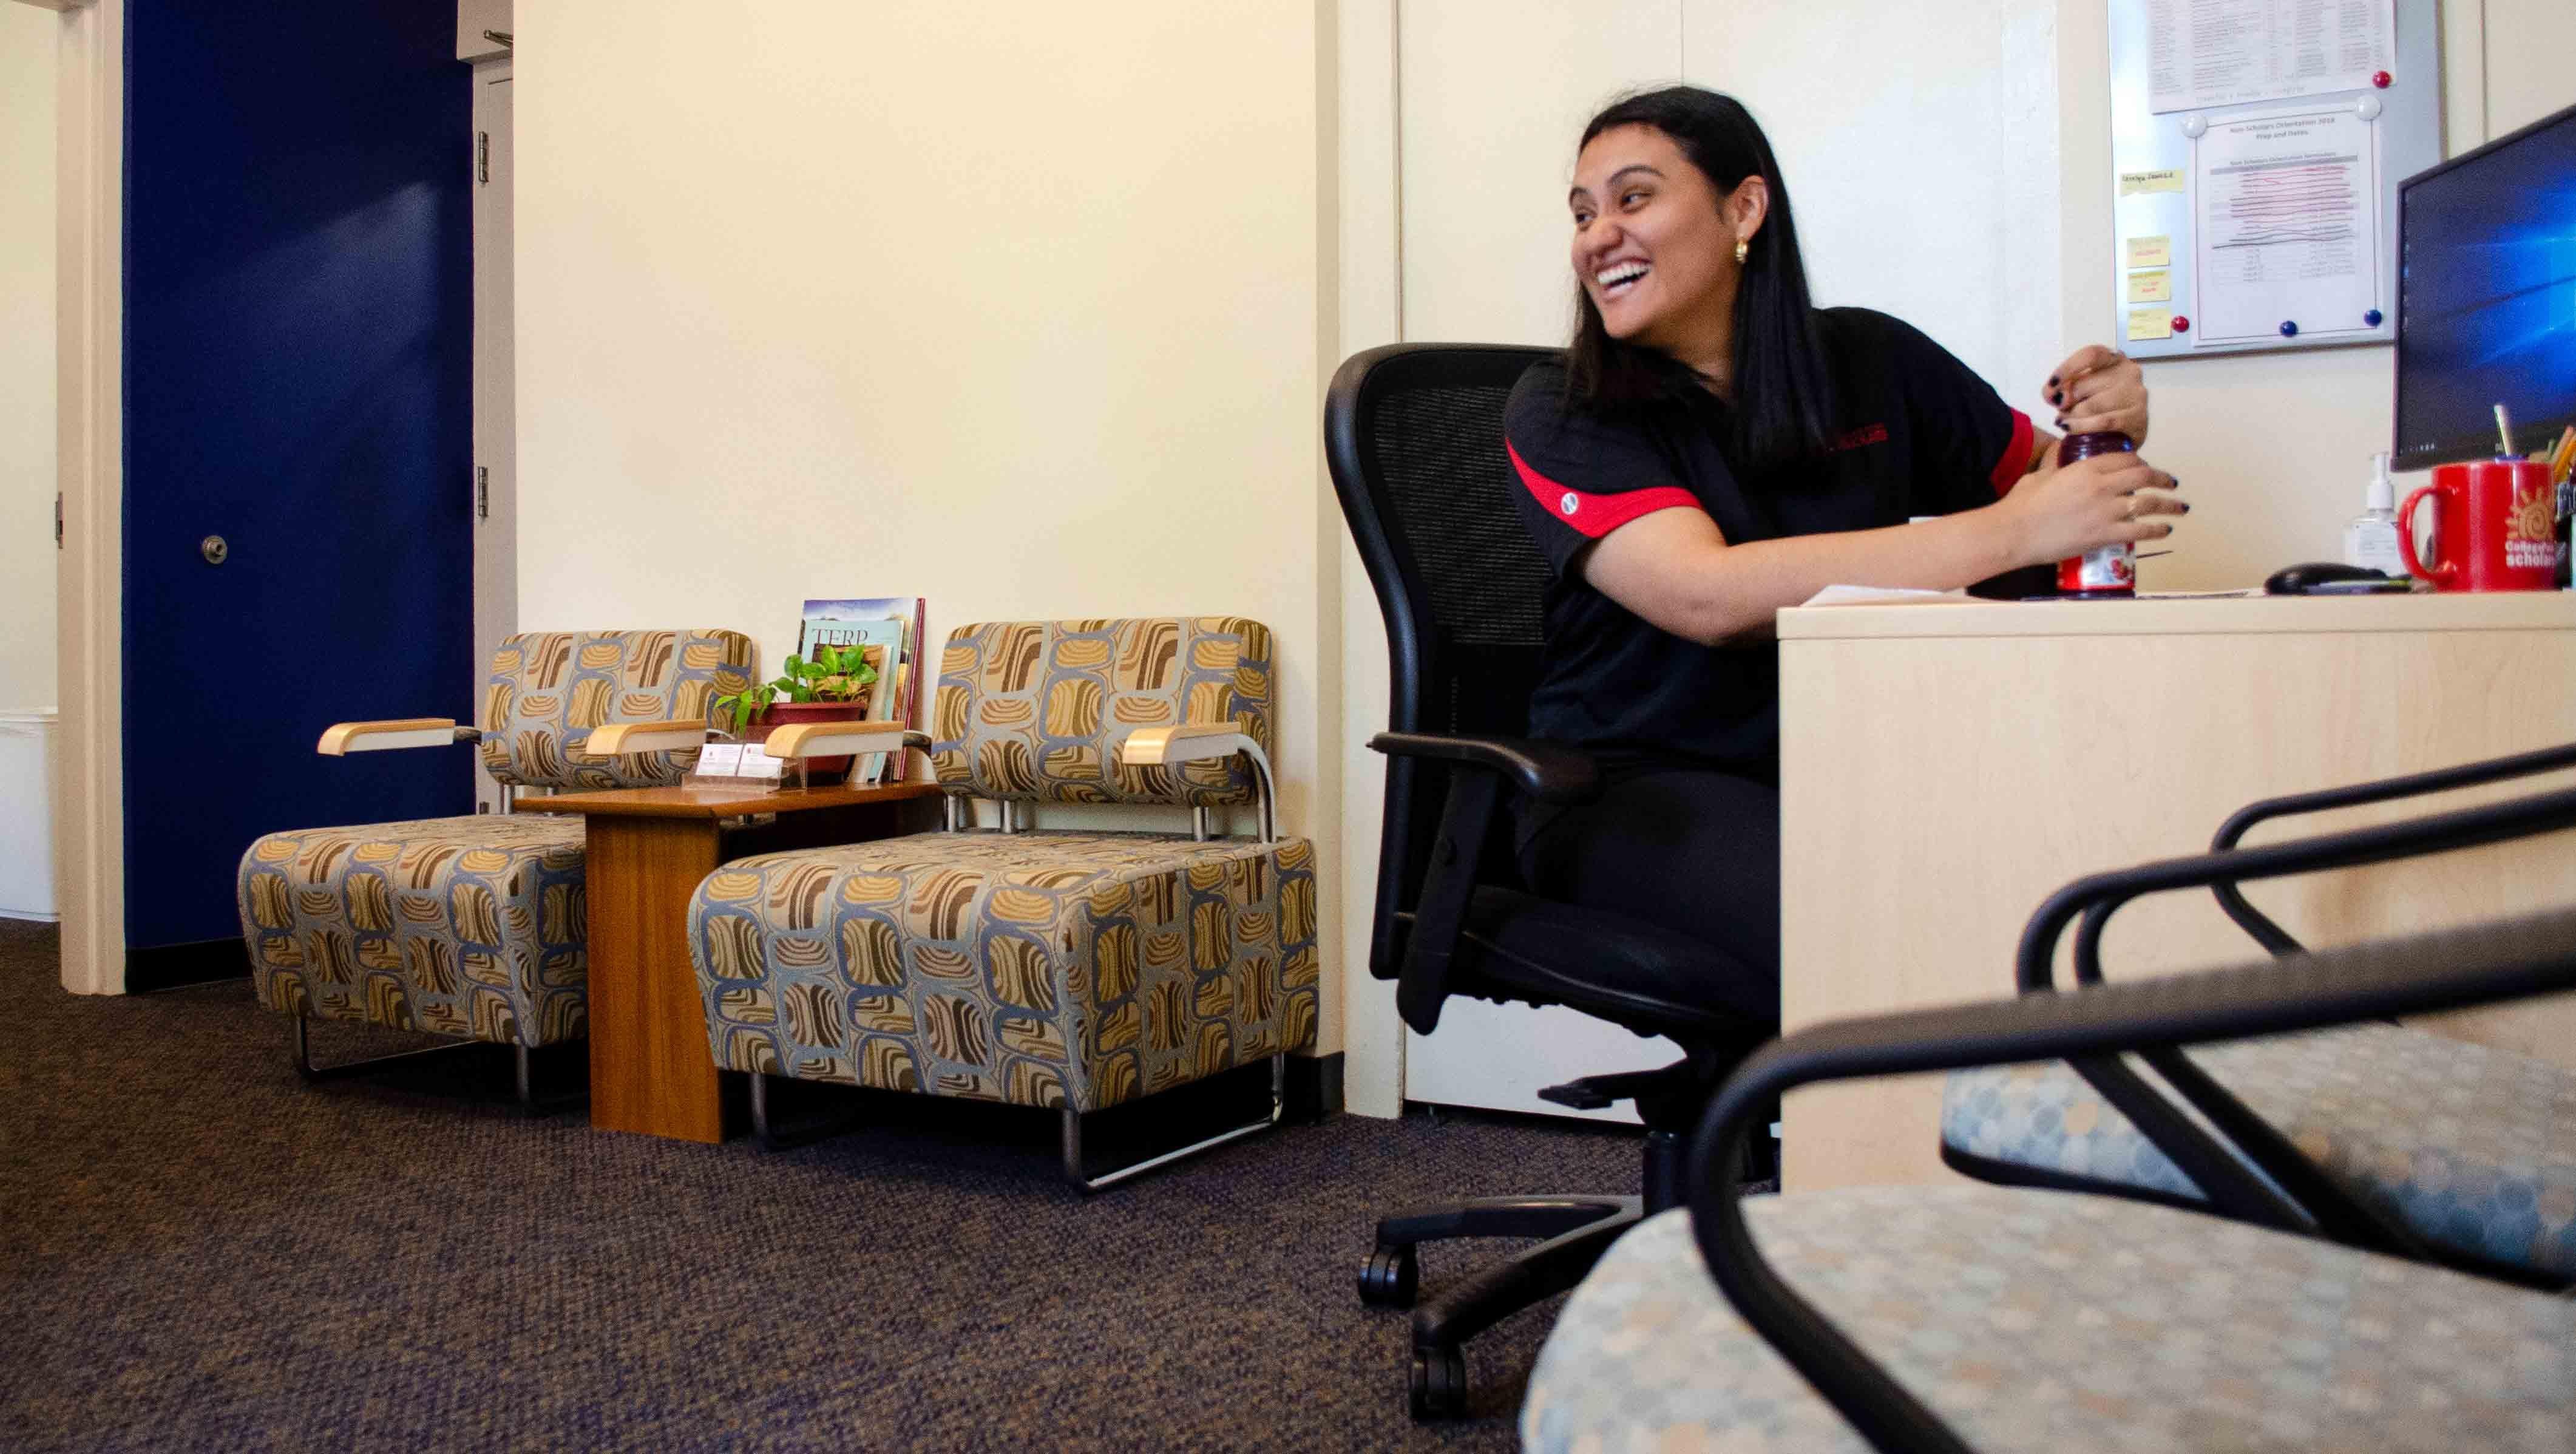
(495, 447)
(89, 818)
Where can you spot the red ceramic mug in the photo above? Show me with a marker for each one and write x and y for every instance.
(2493, 528)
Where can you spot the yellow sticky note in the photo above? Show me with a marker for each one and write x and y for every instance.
(2150, 252)
(2151, 287)
(2150, 323)
(2166, 179)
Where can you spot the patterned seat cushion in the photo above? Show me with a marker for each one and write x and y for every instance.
(2034, 1320)
(470, 926)
(2473, 1148)
(1047, 968)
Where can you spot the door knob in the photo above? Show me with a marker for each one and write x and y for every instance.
(214, 549)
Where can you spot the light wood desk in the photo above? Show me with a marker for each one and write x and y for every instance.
(1944, 766)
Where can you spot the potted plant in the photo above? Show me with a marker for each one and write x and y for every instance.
(833, 687)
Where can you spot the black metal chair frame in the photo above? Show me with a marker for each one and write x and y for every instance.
(1424, 928)
(2093, 1025)
(2250, 1170)
(523, 1077)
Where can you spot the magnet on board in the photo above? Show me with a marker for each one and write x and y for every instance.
(2181, 324)
(2381, 79)
(2193, 126)
(2367, 108)
(2372, 318)
(2289, 329)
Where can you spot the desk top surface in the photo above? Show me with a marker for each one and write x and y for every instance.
(697, 802)
(1958, 616)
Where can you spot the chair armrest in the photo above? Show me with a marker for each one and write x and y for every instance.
(1548, 771)
(2419, 974)
(343, 738)
(1190, 742)
(2495, 769)
(614, 739)
(1205, 742)
(799, 740)
(2437, 832)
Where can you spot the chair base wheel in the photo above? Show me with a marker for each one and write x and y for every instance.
(1439, 1384)
(1389, 1277)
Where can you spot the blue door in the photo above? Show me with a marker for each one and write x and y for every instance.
(298, 355)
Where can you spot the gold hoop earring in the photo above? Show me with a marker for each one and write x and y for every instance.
(1743, 249)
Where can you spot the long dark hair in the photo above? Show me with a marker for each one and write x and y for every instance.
(1783, 405)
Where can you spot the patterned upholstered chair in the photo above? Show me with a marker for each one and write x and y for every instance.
(475, 927)
(1936, 1320)
(1070, 969)
(2389, 1137)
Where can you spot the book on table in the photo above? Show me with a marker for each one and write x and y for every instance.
(889, 629)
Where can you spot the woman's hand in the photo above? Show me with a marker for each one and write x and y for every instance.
(2097, 389)
(2061, 513)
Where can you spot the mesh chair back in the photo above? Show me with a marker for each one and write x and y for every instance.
(1037, 711)
(549, 688)
(1414, 435)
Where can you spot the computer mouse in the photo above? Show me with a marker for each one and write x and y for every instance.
(2301, 579)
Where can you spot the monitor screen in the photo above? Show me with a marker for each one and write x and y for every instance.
(2487, 298)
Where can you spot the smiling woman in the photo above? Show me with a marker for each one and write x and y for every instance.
(1713, 447)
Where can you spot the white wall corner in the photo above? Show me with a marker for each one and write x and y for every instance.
(2464, 76)
(89, 826)
(1367, 311)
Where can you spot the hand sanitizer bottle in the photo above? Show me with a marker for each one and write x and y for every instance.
(2371, 539)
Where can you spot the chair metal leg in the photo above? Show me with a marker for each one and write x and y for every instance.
(1073, 1167)
(303, 1054)
(523, 1068)
(772, 1139)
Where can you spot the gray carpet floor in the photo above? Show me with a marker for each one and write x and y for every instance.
(197, 1251)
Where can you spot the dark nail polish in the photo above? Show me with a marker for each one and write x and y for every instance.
(2058, 397)
(2186, 507)
(2052, 381)
(2061, 424)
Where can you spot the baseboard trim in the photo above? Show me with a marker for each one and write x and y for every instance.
(1314, 1087)
(172, 965)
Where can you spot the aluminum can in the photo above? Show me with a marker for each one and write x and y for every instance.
(2105, 569)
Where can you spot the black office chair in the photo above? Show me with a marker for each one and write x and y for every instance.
(1414, 436)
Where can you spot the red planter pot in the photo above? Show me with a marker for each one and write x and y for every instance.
(780, 714)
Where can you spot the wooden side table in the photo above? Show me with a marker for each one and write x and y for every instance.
(647, 849)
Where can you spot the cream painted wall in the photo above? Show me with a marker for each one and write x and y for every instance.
(1494, 94)
(27, 651)
(1924, 174)
(1022, 308)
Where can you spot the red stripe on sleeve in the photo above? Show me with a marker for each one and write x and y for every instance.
(2016, 461)
(1598, 515)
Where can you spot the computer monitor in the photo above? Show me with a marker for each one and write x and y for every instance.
(2486, 297)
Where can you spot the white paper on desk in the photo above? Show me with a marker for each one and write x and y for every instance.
(2288, 206)
(1880, 596)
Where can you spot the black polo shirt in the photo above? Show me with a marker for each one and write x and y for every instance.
(1918, 434)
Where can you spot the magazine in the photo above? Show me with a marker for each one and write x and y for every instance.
(889, 629)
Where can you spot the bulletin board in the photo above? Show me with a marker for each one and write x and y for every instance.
(2257, 146)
